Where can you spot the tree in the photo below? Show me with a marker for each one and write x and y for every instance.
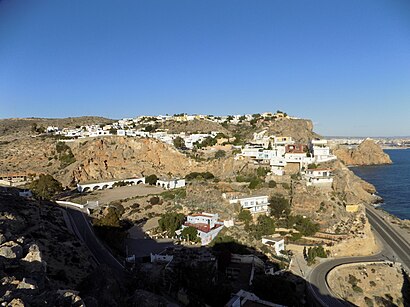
(245, 216)
(197, 175)
(151, 179)
(220, 154)
(179, 142)
(306, 226)
(170, 222)
(265, 226)
(46, 187)
(279, 206)
(150, 128)
(261, 172)
(110, 219)
(190, 233)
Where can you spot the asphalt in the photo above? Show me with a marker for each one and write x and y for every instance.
(84, 230)
(395, 248)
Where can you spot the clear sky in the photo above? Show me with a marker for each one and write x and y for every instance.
(345, 64)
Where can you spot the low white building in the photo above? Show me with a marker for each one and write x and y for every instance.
(255, 204)
(278, 166)
(321, 151)
(171, 184)
(318, 176)
(207, 225)
(277, 243)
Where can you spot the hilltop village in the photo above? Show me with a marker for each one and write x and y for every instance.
(197, 209)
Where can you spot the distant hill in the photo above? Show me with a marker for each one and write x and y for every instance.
(22, 126)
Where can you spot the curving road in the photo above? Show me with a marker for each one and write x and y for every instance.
(395, 248)
(84, 231)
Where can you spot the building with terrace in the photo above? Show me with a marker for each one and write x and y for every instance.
(255, 204)
(207, 225)
(318, 176)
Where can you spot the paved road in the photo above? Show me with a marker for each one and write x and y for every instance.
(83, 229)
(394, 247)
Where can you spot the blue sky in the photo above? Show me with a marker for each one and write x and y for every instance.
(345, 64)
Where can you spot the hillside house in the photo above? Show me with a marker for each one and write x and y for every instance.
(207, 225)
(255, 204)
(278, 166)
(277, 243)
(318, 176)
(321, 151)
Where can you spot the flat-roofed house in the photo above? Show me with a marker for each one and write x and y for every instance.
(255, 204)
(318, 176)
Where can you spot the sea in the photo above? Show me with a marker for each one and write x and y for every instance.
(392, 182)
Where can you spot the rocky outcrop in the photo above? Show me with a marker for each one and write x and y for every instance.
(38, 255)
(11, 250)
(367, 153)
(301, 130)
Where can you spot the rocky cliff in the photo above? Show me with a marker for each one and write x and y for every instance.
(301, 130)
(38, 255)
(367, 153)
(121, 158)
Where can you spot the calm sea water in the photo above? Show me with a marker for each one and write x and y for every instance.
(391, 181)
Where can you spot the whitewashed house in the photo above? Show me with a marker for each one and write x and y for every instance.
(278, 166)
(283, 140)
(207, 225)
(318, 176)
(171, 184)
(277, 243)
(321, 151)
(255, 204)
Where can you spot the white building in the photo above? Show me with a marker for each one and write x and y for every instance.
(278, 166)
(207, 225)
(171, 184)
(255, 204)
(318, 176)
(277, 243)
(51, 129)
(321, 151)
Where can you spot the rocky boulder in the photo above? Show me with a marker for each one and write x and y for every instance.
(33, 262)
(11, 250)
(367, 153)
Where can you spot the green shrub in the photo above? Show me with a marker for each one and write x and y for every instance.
(357, 289)
(272, 184)
(154, 200)
(254, 183)
(173, 194)
(220, 154)
(198, 175)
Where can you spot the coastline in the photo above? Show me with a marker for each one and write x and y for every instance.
(394, 148)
